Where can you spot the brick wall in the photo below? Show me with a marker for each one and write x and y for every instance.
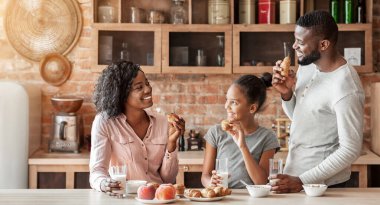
(199, 98)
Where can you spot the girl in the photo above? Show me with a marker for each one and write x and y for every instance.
(247, 145)
(123, 132)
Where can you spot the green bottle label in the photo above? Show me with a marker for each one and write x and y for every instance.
(334, 10)
(348, 11)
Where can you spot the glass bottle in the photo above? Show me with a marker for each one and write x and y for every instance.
(361, 12)
(348, 11)
(220, 51)
(124, 53)
(334, 8)
(178, 13)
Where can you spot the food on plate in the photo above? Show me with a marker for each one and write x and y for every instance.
(208, 193)
(172, 117)
(165, 192)
(285, 65)
(179, 188)
(226, 125)
(193, 193)
(146, 192)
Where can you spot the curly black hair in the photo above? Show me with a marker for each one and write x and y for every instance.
(322, 24)
(254, 88)
(113, 87)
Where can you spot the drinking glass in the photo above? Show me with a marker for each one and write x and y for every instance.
(119, 173)
(222, 170)
(287, 49)
(275, 167)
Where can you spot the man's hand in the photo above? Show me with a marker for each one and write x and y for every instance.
(284, 85)
(286, 184)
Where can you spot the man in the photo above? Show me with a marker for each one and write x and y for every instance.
(326, 108)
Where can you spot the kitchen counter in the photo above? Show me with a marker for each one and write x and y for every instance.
(189, 161)
(366, 196)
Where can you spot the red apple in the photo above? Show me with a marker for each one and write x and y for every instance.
(165, 192)
(146, 192)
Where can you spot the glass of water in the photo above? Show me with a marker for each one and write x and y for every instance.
(275, 167)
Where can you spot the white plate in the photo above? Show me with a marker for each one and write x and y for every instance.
(155, 201)
(205, 199)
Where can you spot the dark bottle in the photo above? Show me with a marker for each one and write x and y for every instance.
(181, 143)
(334, 10)
(360, 9)
(348, 11)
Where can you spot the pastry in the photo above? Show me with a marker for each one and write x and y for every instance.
(193, 193)
(172, 117)
(226, 125)
(179, 188)
(208, 193)
(285, 65)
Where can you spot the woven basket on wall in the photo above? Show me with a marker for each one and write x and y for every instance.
(37, 27)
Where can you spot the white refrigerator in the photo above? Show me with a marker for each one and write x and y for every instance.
(20, 131)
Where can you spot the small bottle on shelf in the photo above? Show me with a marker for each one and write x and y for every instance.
(334, 10)
(124, 53)
(360, 9)
(348, 11)
(220, 51)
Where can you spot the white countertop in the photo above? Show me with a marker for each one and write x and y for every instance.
(348, 196)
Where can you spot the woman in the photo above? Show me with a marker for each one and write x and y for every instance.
(247, 145)
(124, 133)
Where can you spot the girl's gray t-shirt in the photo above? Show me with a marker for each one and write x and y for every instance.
(259, 141)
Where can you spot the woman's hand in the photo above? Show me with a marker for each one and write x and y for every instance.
(176, 129)
(238, 134)
(284, 85)
(110, 185)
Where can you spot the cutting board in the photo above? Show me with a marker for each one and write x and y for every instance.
(375, 117)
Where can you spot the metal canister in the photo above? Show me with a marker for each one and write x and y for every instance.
(267, 11)
(247, 11)
(218, 12)
(288, 11)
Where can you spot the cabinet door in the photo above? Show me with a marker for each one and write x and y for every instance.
(181, 44)
(142, 42)
(256, 48)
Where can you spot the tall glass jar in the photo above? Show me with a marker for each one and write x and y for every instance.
(218, 12)
(247, 12)
(178, 14)
(220, 51)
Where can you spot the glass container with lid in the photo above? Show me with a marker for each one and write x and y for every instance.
(178, 14)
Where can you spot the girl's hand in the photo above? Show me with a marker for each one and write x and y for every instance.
(238, 134)
(215, 179)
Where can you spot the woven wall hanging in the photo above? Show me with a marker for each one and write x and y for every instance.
(35, 28)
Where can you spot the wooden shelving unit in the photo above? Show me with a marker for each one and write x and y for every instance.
(244, 43)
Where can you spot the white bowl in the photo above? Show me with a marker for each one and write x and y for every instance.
(258, 190)
(131, 186)
(314, 189)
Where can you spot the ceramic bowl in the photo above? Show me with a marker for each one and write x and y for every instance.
(131, 186)
(258, 190)
(314, 189)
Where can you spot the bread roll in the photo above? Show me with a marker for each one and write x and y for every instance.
(208, 193)
(226, 125)
(285, 65)
(172, 117)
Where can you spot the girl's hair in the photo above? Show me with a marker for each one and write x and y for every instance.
(113, 87)
(254, 88)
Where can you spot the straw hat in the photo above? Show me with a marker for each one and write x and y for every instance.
(55, 69)
(37, 27)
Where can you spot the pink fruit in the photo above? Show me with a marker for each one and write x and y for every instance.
(146, 192)
(165, 192)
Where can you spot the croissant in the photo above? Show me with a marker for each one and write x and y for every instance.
(193, 193)
(226, 125)
(172, 117)
(226, 191)
(285, 65)
(208, 193)
(222, 191)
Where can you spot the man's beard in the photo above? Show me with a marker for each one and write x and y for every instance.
(307, 60)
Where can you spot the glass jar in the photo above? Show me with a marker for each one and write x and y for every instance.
(247, 11)
(220, 51)
(124, 53)
(218, 12)
(106, 13)
(288, 11)
(178, 14)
